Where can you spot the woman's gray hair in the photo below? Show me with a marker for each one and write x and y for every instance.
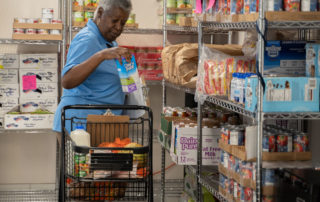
(111, 4)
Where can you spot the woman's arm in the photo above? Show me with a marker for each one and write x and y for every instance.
(79, 73)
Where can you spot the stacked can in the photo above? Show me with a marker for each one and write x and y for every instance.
(274, 5)
(300, 142)
(268, 177)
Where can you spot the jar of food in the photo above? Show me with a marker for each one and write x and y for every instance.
(78, 16)
(88, 15)
(171, 3)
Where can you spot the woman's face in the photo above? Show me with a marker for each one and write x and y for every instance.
(111, 23)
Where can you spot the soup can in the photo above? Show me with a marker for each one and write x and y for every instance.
(171, 3)
(248, 195)
(269, 142)
(31, 31)
(56, 21)
(42, 31)
(47, 10)
(18, 31)
(300, 142)
(20, 20)
(55, 32)
(284, 142)
(237, 137)
(45, 20)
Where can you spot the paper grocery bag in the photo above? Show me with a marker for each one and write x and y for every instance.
(105, 128)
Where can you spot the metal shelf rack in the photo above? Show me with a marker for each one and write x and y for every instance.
(178, 87)
(28, 42)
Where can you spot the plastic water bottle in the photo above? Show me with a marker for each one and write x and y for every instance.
(80, 136)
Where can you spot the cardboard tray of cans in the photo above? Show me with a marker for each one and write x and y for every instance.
(237, 151)
(37, 26)
(37, 37)
(270, 16)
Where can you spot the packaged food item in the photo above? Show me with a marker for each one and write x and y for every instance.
(131, 19)
(47, 11)
(171, 3)
(254, 6)
(80, 136)
(246, 6)
(87, 3)
(20, 20)
(56, 21)
(31, 31)
(274, 5)
(128, 75)
(18, 31)
(47, 15)
(78, 16)
(78, 2)
(44, 20)
(181, 4)
(42, 31)
(188, 3)
(269, 142)
(292, 5)
(88, 15)
(236, 7)
(94, 3)
(284, 142)
(178, 16)
(55, 32)
(237, 137)
(171, 19)
(300, 142)
(81, 165)
(32, 20)
(309, 5)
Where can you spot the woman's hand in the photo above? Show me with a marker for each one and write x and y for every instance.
(115, 53)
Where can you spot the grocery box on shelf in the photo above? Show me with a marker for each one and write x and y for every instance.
(9, 61)
(9, 76)
(184, 144)
(284, 94)
(38, 90)
(39, 60)
(312, 60)
(285, 58)
(16, 120)
(9, 90)
(40, 75)
(7, 104)
(31, 105)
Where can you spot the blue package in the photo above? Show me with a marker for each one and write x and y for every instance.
(275, 5)
(285, 58)
(312, 60)
(254, 6)
(236, 7)
(128, 73)
(310, 5)
(284, 94)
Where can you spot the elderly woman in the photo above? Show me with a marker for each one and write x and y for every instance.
(90, 75)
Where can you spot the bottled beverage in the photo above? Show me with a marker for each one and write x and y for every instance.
(80, 136)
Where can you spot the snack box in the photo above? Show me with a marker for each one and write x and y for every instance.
(285, 58)
(38, 90)
(284, 94)
(9, 61)
(9, 90)
(38, 61)
(9, 76)
(40, 75)
(31, 105)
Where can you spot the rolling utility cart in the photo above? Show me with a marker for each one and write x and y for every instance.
(117, 166)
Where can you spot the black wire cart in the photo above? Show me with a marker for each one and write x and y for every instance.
(111, 169)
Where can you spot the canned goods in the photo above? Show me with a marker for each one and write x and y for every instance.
(248, 195)
(269, 143)
(308, 5)
(47, 15)
(292, 5)
(180, 4)
(300, 142)
(45, 20)
(246, 170)
(47, 11)
(171, 3)
(284, 143)
(235, 189)
(231, 186)
(94, 3)
(274, 5)
(55, 32)
(88, 15)
(246, 6)
(20, 20)
(222, 157)
(18, 31)
(268, 177)
(42, 31)
(237, 137)
(242, 194)
(178, 16)
(32, 20)
(56, 21)
(171, 19)
(81, 167)
(225, 160)
(231, 163)
(78, 16)
(78, 2)
(236, 7)
(87, 3)
(31, 31)
(254, 6)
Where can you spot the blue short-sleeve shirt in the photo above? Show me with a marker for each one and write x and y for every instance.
(101, 87)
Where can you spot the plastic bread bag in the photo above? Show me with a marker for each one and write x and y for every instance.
(132, 86)
(249, 47)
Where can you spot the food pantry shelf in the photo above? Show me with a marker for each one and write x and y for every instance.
(50, 196)
(29, 42)
(181, 88)
(287, 164)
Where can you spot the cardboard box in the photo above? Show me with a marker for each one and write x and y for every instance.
(166, 123)
(27, 121)
(39, 60)
(312, 60)
(31, 105)
(9, 61)
(285, 58)
(7, 104)
(9, 90)
(284, 94)
(41, 91)
(9, 76)
(41, 75)
(185, 146)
